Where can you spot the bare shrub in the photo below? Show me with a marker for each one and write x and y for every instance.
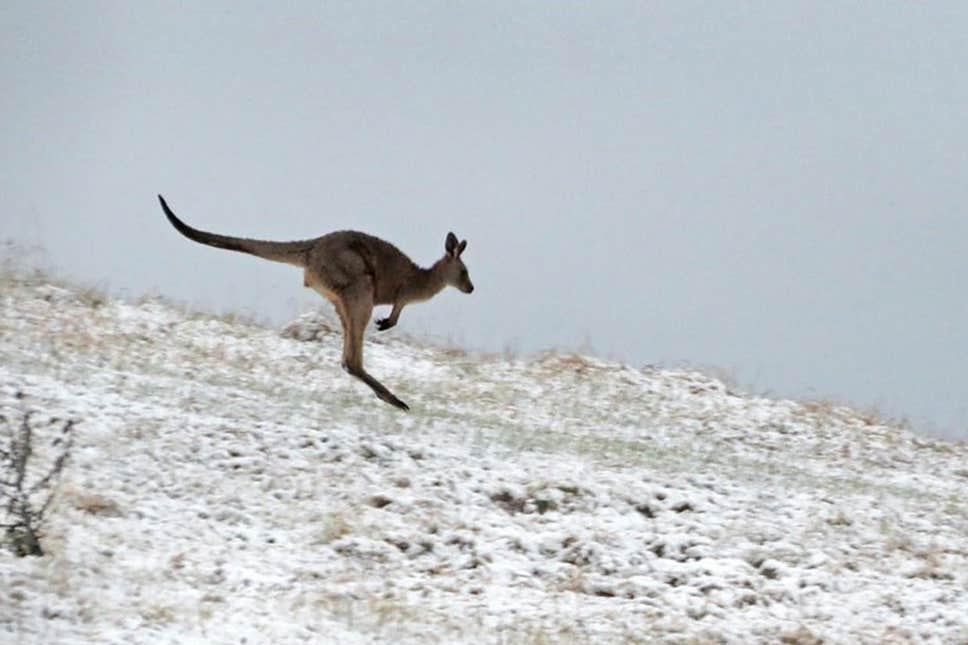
(25, 497)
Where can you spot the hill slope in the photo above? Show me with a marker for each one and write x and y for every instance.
(230, 484)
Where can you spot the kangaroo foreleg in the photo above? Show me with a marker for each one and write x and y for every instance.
(384, 324)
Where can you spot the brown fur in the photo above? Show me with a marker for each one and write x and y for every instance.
(355, 272)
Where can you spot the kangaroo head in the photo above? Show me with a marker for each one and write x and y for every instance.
(454, 271)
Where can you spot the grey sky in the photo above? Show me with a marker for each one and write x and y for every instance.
(774, 189)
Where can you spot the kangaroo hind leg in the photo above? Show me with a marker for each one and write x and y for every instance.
(357, 307)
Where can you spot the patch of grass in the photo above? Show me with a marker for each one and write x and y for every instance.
(163, 614)
(333, 527)
(92, 503)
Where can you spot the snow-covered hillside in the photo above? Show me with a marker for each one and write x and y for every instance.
(230, 484)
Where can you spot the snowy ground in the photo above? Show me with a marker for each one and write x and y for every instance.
(230, 484)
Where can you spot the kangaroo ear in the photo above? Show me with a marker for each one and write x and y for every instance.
(461, 247)
(451, 244)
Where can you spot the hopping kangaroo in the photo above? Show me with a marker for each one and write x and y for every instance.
(354, 271)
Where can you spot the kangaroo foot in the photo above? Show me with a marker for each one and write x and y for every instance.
(393, 400)
(378, 388)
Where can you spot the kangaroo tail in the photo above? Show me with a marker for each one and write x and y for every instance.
(288, 252)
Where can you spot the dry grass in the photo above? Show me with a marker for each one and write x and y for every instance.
(333, 527)
(91, 503)
(800, 636)
(826, 410)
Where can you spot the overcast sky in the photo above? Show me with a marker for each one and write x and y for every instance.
(774, 190)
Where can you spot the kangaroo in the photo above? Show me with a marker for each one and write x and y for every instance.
(355, 272)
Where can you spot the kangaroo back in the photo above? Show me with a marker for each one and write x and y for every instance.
(288, 252)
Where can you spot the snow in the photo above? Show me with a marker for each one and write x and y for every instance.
(229, 484)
